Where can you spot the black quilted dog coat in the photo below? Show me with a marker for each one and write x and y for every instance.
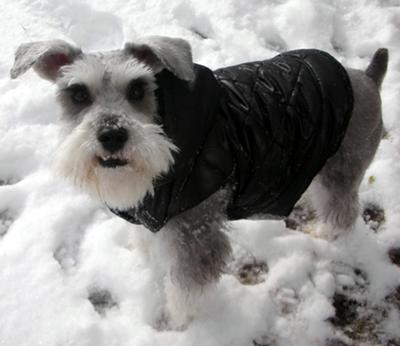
(266, 128)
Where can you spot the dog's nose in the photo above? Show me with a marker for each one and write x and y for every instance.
(112, 138)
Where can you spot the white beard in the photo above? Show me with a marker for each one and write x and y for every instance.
(149, 155)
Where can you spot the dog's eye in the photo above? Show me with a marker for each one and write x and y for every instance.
(79, 94)
(135, 90)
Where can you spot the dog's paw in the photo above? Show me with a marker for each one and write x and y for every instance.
(182, 304)
(163, 322)
(167, 321)
(301, 217)
(324, 231)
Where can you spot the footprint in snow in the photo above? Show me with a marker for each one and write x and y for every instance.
(102, 300)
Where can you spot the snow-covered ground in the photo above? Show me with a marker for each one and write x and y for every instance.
(73, 274)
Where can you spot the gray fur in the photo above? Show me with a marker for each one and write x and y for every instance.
(339, 180)
(198, 243)
(34, 54)
(174, 54)
(378, 66)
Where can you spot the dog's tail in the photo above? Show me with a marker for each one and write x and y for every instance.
(378, 66)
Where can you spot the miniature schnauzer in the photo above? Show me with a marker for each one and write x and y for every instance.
(171, 145)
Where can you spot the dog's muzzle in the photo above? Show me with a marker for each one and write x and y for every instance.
(112, 138)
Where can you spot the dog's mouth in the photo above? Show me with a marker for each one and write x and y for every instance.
(111, 161)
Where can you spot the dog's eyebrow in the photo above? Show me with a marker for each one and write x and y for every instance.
(74, 86)
(123, 74)
(142, 79)
(138, 80)
(89, 71)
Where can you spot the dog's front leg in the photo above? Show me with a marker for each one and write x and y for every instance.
(198, 250)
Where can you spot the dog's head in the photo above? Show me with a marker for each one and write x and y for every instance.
(113, 146)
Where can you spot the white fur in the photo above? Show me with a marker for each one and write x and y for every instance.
(91, 71)
(123, 73)
(149, 155)
(88, 70)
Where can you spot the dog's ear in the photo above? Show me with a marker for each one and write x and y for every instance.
(159, 52)
(46, 58)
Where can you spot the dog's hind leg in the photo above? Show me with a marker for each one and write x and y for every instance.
(335, 200)
(334, 191)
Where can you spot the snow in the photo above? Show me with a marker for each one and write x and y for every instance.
(60, 251)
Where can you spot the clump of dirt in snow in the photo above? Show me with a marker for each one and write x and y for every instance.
(374, 216)
(102, 300)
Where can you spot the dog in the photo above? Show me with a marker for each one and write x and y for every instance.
(171, 145)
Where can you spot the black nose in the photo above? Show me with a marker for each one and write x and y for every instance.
(112, 138)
